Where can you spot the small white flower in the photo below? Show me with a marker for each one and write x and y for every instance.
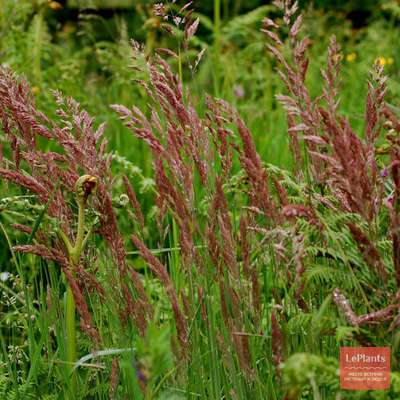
(4, 276)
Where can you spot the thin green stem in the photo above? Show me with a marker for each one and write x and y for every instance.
(70, 326)
(37, 48)
(217, 45)
(87, 237)
(180, 70)
(74, 252)
(77, 250)
(66, 241)
(217, 21)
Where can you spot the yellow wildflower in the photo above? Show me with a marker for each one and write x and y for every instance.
(55, 5)
(35, 90)
(390, 60)
(351, 57)
(381, 61)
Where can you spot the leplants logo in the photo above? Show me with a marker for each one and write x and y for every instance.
(365, 368)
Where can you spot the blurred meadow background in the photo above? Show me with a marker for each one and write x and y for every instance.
(83, 49)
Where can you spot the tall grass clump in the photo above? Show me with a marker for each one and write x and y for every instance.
(251, 277)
